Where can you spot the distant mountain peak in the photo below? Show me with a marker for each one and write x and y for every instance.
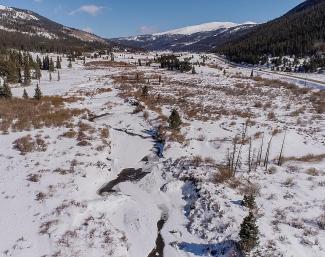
(205, 27)
(202, 37)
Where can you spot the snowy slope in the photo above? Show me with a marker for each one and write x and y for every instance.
(200, 28)
(203, 37)
(24, 22)
(202, 217)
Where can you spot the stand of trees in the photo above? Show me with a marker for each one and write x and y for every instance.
(18, 67)
(171, 62)
(301, 32)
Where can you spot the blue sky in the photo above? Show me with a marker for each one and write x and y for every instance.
(113, 18)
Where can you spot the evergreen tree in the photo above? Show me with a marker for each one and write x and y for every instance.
(174, 120)
(51, 65)
(25, 95)
(58, 63)
(38, 93)
(39, 62)
(46, 63)
(38, 73)
(5, 91)
(248, 233)
(19, 75)
(249, 201)
(27, 77)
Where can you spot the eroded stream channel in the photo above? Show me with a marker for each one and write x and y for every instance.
(135, 175)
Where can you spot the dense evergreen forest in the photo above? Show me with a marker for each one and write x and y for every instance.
(300, 32)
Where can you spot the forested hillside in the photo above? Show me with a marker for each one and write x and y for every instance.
(300, 32)
(29, 31)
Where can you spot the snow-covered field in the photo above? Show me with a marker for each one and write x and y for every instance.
(49, 196)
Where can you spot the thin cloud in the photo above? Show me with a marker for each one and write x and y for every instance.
(148, 29)
(89, 9)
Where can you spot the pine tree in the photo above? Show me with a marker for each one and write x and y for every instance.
(5, 91)
(39, 62)
(38, 73)
(249, 201)
(58, 63)
(46, 63)
(25, 95)
(38, 93)
(51, 65)
(27, 77)
(19, 76)
(174, 120)
(248, 233)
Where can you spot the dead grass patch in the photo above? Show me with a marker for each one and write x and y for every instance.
(26, 114)
(27, 144)
(306, 158)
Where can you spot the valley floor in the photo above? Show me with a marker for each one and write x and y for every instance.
(178, 200)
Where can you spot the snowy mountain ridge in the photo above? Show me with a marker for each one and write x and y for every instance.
(24, 25)
(202, 37)
(204, 27)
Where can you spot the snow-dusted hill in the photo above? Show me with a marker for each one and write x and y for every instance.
(200, 28)
(201, 37)
(24, 25)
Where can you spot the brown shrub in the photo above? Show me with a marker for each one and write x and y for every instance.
(271, 116)
(312, 172)
(69, 134)
(27, 145)
(223, 174)
(104, 133)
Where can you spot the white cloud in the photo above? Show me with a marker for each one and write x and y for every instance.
(89, 9)
(88, 29)
(148, 29)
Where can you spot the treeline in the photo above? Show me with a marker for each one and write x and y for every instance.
(300, 33)
(25, 42)
(20, 67)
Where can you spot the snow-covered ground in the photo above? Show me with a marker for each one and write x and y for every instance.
(50, 201)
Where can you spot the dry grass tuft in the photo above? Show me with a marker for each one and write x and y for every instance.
(27, 145)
